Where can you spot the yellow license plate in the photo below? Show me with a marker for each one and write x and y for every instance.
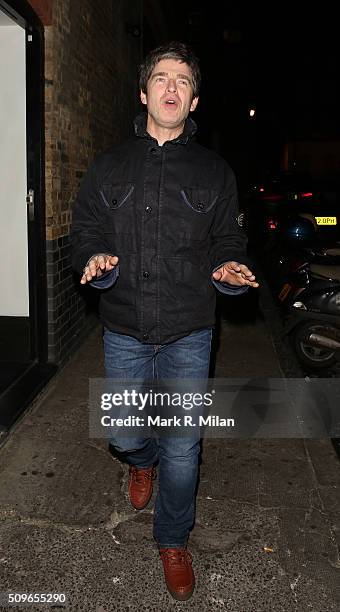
(326, 220)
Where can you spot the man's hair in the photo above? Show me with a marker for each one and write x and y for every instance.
(174, 50)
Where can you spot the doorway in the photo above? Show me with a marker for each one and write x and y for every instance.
(23, 301)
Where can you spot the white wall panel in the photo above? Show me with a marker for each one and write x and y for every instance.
(14, 296)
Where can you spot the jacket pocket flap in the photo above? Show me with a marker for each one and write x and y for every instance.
(200, 199)
(114, 195)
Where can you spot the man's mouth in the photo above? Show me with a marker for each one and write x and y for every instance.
(170, 102)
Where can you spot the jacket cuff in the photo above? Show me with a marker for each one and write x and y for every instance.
(106, 280)
(227, 288)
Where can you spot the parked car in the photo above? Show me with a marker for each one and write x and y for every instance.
(270, 202)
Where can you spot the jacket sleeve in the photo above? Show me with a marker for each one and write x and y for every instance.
(229, 241)
(87, 236)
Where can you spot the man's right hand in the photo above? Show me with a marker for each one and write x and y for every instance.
(97, 266)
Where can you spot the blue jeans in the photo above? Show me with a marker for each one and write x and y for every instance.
(188, 357)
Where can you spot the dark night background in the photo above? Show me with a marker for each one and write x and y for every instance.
(280, 58)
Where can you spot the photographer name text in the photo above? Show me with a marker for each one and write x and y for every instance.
(175, 421)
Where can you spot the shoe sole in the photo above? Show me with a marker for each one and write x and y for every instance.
(180, 597)
(139, 507)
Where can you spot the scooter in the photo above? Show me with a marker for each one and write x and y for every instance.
(308, 290)
(311, 298)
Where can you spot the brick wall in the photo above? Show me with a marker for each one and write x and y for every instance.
(43, 9)
(90, 101)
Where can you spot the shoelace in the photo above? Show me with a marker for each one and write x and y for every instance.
(140, 475)
(178, 557)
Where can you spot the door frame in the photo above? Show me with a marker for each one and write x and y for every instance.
(19, 394)
(24, 15)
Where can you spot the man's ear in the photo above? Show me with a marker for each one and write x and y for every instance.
(143, 97)
(194, 104)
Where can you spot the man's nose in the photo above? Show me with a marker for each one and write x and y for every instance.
(172, 85)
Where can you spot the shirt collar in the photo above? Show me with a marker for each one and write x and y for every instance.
(190, 128)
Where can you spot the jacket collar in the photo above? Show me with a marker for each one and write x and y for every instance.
(190, 128)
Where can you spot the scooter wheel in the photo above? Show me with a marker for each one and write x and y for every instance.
(312, 357)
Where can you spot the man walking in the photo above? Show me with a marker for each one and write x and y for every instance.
(155, 225)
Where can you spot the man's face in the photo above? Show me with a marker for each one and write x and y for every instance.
(169, 94)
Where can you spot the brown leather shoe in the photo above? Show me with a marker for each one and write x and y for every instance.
(178, 572)
(140, 486)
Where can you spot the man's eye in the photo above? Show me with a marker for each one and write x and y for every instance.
(182, 82)
(160, 79)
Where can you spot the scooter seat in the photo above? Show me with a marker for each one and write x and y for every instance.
(332, 272)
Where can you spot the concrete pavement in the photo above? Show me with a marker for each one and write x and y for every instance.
(268, 512)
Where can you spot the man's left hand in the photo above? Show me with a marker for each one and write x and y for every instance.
(235, 274)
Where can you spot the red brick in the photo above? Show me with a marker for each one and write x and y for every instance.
(44, 10)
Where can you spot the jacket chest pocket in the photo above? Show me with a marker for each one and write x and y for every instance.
(197, 211)
(201, 200)
(120, 218)
(116, 195)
